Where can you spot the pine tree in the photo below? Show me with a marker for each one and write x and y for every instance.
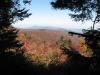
(12, 60)
(84, 10)
(11, 12)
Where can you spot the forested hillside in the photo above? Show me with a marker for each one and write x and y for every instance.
(45, 44)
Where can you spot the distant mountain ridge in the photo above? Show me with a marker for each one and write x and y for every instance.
(55, 28)
(46, 27)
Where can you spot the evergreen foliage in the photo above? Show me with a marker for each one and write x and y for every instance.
(83, 10)
(12, 60)
(10, 12)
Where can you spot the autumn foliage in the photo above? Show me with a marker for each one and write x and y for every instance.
(43, 46)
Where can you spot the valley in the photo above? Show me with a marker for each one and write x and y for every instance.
(41, 44)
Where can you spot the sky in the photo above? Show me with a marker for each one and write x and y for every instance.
(43, 14)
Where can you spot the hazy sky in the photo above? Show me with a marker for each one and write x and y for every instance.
(44, 15)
